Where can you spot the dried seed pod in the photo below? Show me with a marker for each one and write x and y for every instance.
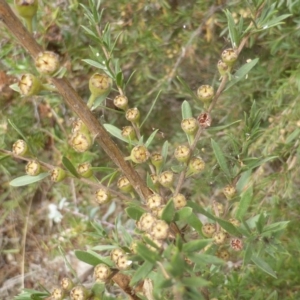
(208, 229)
(154, 179)
(47, 62)
(79, 292)
(79, 126)
(204, 120)
(205, 93)
(121, 102)
(146, 221)
(115, 254)
(80, 141)
(139, 154)
(57, 174)
(182, 153)
(29, 85)
(154, 200)
(85, 170)
(124, 184)
(67, 284)
(101, 273)
(219, 237)
(103, 196)
(236, 244)
(133, 115)
(160, 230)
(166, 179)
(33, 168)
(189, 126)
(58, 294)
(229, 192)
(20, 148)
(128, 132)
(179, 201)
(229, 56)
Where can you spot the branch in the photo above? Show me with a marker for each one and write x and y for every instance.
(75, 103)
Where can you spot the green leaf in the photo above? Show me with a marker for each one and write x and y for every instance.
(233, 34)
(116, 132)
(164, 151)
(147, 254)
(246, 198)
(220, 128)
(228, 227)
(203, 259)
(151, 108)
(120, 79)
(26, 179)
(177, 265)
(194, 281)
(261, 264)
(186, 88)
(251, 163)
(278, 226)
(141, 272)
(16, 128)
(200, 210)
(134, 212)
(168, 212)
(241, 73)
(183, 214)
(150, 138)
(196, 245)
(195, 223)
(186, 110)
(95, 64)
(69, 166)
(220, 158)
(104, 247)
(92, 258)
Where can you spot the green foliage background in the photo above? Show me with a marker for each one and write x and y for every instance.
(156, 38)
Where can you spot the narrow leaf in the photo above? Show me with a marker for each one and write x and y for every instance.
(141, 272)
(278, 226)
(95, 64)
(194, 222)
(246, 198)
(220, 158)
(92, 258)
(150, 138)
(168, 212)
(116, 132)
(196, 245)
(164, 151)
(195, 281)
(69, 166)
(183, 214)
(261, 264)
(241, 73)
(26, 179)
(134, 212)
(228, 227)
(147, 254)
(186, 110)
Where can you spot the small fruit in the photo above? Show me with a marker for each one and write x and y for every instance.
(139, 154)
(29, 85)
(57, 174)
(33, 168)
(179, 201)
(205, 93)
(47, 62)
(20, 148)
(182, 153)
(166, 179)
(133, 115)
(208, 229)
(103, 196)
(121, 102)
(101, 273)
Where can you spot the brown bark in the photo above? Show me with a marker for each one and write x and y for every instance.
(75, 103)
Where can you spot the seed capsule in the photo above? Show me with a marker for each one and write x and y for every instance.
(100, 84)
(58, 294)
(196, 165)
(128, 133)
(182, 153)
(223, 68)
(29, 85)
(179, 201)
(166, 179)
(85, 170)
(219, 237)
(229, 192)
(139, 154)
(57, 174)
(121, 102)
(81, 142)
(33, 168)
(115, 254)
(132, 115)
(47, 62)
(67, 284)
(20, 148)
(79, 292)
(189, 125)
(229, 56)
(205, 93)
(146, 221)
(101, 273)
(154, 201)
(124, 184)
(160, 230)
(26, 8)
(208, 229)
(103, 196)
